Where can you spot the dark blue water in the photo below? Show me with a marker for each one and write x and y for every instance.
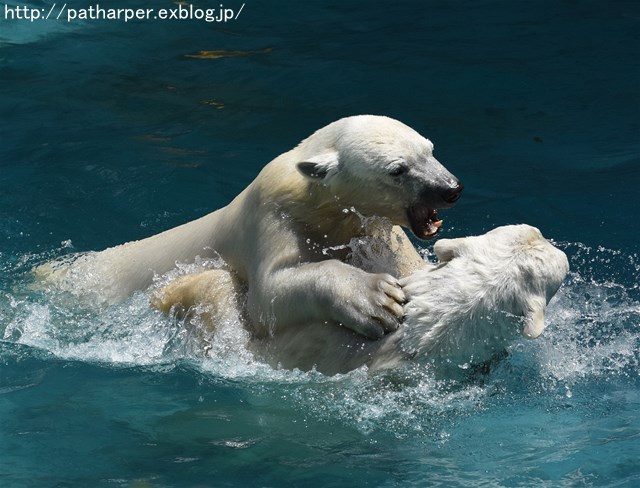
(110, 131)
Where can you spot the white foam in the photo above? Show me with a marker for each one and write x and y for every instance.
(593, 331)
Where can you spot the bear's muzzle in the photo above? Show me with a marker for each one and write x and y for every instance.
(423, 216)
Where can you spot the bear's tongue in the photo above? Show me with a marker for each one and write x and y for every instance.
(424, 221)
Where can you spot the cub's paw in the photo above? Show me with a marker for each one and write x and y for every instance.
(212, 287)
(180, 293)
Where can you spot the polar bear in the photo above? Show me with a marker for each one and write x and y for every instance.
(285, 235)
(484, 292)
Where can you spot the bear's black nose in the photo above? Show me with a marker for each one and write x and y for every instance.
(453, 194)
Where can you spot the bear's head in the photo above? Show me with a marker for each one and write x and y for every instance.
(383, 168)
(487, 290)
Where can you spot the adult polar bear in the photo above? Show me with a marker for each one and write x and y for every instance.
(285, 235)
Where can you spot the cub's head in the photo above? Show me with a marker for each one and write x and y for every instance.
(518, 269)
(487, 290)
(382, 168)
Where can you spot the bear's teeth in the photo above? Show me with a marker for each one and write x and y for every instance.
(424, 221)
(432, 228)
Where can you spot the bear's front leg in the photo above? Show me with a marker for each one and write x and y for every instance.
(330, 292)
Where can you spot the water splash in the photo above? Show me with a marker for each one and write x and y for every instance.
(595, 317)
(593, 335)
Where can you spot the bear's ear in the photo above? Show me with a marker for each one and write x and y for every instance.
(534, 317)
(447, 249)
(319, 167)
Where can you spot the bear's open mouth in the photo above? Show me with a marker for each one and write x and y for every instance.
(424, 221)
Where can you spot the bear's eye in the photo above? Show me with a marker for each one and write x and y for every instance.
(398, 170)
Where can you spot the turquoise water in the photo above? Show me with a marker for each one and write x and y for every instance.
(113, 131)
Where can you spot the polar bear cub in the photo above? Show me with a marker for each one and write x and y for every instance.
(484, 292)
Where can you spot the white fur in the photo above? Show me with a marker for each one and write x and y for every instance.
(284, 236)
(489, 289)
(486, 291)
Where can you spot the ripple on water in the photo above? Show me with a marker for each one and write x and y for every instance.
(593, 332)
